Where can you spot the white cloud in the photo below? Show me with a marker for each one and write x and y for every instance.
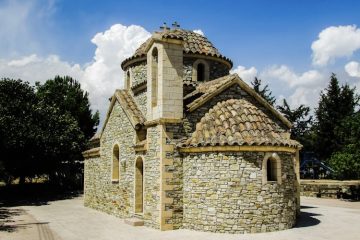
(353, 69)
(100, 77)
(34, 68)
(305, 95)
(301, 88)
(104, 75)
(285, 74)
(199, 31)
(335, 42)
(246, 74)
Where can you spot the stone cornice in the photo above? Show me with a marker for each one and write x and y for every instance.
(91, 153)
(238, 149)
(161, 121)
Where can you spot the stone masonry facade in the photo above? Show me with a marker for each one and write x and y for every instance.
(187, 145)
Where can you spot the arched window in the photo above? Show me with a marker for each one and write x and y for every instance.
(154, 77)
(271, 168)
(115, 164)
(200, 72)
(127, 85)
(139, 180)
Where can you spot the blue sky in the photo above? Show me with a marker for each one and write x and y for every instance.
(269, 39)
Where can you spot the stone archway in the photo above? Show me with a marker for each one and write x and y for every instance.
(139, 183)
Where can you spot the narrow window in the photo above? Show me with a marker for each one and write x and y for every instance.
(139, 179)
(127, 80)
(154, 77)
(115, 164)
(271, 170)
(200, 72)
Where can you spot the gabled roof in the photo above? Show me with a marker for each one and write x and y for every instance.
(129, 106)
(208, 90)
(238, 122)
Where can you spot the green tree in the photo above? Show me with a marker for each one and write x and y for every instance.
(302, 122)
(66, 94)
(263, 91)
(39, 136)
(18, 140)
(346, 161)
(336, 103)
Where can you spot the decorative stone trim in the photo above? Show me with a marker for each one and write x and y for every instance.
(195, 70)
(165, 176)
(238, 149)
(91, 153)
(202, 56)
(140, 147)
(161, 121)
(131, 62)
(139, 88)
(278, 168)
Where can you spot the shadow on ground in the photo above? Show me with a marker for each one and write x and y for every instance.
(14, 196)
(6, 222)
(307, 219)
(33, 194)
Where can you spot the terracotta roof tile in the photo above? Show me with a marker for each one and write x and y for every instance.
(194, 43)
(130, 107)
(222, 125)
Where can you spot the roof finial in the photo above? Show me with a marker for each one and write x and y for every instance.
(176, 25)
(164, 27)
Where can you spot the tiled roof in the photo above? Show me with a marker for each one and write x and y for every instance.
(194, 43)
(237, 122)
(130, 107)
(205, 90)
(208, 90)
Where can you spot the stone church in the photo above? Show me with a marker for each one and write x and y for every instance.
(188, 145)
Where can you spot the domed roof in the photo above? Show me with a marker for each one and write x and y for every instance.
(194, 43)
(237, 122)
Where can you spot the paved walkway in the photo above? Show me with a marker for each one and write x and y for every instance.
(70, 220)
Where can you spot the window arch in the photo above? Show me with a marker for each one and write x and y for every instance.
(115, 164)
(271, 168)
(154, 76)
(200, 71)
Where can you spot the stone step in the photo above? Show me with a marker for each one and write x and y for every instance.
(134, 222)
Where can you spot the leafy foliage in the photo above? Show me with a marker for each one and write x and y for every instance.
(41, 132)
(66, 94)
(346, 162)
(302, 122)
(263, 91)
(336, 103)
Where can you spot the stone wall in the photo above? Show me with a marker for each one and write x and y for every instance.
(330, 188)
(101, 193)
(152, 179)
(118, 198)
(140, 99)
(223, 192)
(138, 73)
